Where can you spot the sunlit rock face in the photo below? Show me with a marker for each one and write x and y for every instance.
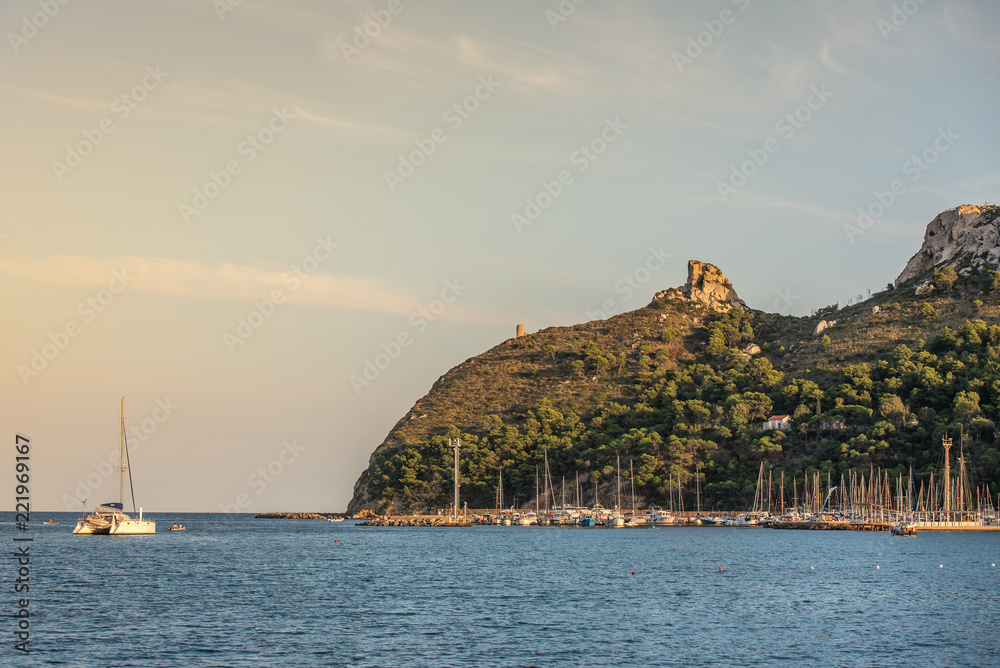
(966, 238)
(707, 285)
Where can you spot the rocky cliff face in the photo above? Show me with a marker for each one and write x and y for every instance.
(966, 236)
(706, 284)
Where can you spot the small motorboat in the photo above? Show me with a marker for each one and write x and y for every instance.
(905, 529)
(177, 527)
(50, 522)
(334, 519)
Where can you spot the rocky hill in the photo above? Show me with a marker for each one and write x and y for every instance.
(965, 238)
(678, 389)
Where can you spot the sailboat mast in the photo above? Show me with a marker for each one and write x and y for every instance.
(631, 478)
(536, 490)
(121, 458)
(697, 487)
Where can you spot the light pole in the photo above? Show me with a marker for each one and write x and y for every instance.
(455, 444)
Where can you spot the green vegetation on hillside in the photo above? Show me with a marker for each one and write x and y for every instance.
(670, 388)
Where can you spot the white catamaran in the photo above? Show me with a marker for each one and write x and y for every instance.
(110, 518)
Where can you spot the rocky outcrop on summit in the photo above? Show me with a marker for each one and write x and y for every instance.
(706, 284)
(966, 236)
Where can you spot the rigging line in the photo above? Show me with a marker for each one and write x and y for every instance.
(129, 464)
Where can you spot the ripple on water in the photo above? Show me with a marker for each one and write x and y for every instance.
(245, 592)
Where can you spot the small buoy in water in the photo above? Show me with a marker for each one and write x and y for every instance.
(878, 568)
(941, 566)
(633, 572)
(571, 558)
(812, 568)
(720, 569)
(336, 541)
(993, 565)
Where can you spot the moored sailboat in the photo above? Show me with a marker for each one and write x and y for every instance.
(110, 518)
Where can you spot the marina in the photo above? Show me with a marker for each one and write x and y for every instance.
(876, 501)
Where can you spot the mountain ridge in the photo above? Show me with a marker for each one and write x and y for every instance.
(627, 384)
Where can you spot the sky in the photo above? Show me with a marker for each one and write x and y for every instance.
(271, 226)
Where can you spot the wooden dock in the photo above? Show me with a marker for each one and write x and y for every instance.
(834, 526)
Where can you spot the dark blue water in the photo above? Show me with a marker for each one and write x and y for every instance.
(237, 591)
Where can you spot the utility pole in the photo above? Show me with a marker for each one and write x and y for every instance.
(455, 444)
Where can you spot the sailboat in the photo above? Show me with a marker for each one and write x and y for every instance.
(616, 518)
(110, 518)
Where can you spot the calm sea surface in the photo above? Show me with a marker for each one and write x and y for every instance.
(238, 591)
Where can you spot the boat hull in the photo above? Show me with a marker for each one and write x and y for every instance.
(132, 527)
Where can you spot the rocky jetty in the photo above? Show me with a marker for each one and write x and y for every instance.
(294, 516)
(707, 285)
(413, 521)
(966, 238)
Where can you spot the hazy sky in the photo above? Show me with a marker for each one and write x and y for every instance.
(225, 211)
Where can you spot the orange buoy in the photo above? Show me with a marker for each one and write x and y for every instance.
(720, 569)
(336, 541)
(633, 572)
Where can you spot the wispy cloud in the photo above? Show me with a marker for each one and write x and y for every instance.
(767, 202)
(345, 125)
(199, 280)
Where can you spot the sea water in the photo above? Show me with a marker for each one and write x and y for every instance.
(237, 591)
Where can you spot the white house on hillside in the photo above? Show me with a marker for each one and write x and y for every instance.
(781, 422)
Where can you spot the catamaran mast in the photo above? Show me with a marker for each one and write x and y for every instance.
(121, 459)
